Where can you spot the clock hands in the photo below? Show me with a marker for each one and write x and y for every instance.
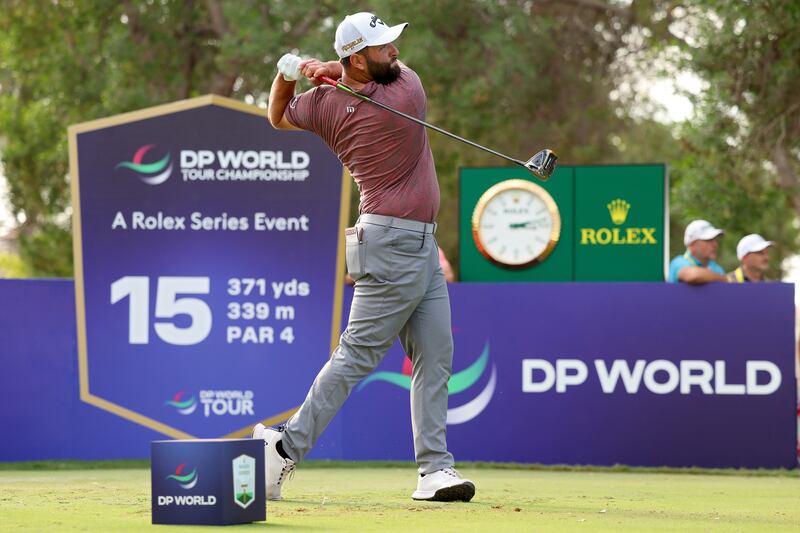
(526, 224)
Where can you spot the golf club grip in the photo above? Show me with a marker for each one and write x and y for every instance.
(328, 80)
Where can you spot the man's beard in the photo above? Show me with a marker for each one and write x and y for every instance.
(383, 73)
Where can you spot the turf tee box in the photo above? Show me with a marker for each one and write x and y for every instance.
(208, 481)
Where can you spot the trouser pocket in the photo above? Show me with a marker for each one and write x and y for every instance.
(355, 252)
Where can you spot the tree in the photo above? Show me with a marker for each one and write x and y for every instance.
(517, 75)
(742, 163)
(72, 61)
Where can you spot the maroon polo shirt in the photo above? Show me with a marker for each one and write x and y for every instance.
(388, 156)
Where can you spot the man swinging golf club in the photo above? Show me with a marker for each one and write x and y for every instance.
(392, 254)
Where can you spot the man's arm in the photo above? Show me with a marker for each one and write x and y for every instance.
(280, 95)
(282, 91)
(314, 68)
(695, 275)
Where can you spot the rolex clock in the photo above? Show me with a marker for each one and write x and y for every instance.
(516, 224)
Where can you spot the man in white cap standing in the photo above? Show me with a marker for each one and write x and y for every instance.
(753, 254)
(392, 254)
(698, 264)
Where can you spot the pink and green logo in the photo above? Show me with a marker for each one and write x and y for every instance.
(186, 481)
(459, 382)
(151, 173)
(184, 407)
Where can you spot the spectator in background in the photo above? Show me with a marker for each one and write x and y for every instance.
(698, 264)
(753, 254)
(445, 264)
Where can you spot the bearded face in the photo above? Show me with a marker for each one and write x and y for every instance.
(383, 73)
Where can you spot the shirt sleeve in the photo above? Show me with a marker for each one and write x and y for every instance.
(417, 92)
(675, 266)
(301, 110)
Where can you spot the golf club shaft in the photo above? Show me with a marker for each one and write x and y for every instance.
(347, 89)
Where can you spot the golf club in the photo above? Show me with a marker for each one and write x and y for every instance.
(542, 164)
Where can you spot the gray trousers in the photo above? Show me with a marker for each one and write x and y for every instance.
(401, 291)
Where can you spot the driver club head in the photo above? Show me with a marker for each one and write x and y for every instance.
(542, 164)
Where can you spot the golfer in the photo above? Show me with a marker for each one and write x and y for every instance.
(392, 254)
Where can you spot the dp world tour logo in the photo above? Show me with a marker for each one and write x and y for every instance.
(151, 173)
(459, 382)
(184, 407)
(186, 481)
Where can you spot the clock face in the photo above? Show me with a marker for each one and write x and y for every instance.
(516, 224)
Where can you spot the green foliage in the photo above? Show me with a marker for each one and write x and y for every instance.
(516, 76)
(736, 193)
(48, 251)
(12, 266)
(742, 154)
(73, 61)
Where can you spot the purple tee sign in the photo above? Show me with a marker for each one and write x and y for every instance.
(207, 283)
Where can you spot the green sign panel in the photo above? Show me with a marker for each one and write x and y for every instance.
(619, 223)
(612, 224)
(475, 266)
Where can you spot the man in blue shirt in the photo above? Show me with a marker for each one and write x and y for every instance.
(698, 264)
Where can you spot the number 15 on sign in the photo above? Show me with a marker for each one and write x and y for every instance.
(168, 305)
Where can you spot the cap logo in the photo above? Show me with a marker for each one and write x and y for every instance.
(375, 21)
(350, 46)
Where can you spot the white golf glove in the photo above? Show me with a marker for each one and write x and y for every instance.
(288, 65)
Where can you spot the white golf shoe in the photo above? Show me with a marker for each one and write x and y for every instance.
(278, 469)
(445, 485)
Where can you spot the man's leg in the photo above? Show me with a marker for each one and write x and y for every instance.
(428, 341)
(382, 303)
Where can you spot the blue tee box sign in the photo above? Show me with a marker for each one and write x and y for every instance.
(208, 481)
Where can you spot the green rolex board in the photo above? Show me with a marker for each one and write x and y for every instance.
(613, 221)
(619, 223)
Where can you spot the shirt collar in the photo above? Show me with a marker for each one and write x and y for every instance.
(740, 275)
(688, 255)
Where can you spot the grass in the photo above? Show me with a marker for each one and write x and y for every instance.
(98, 496)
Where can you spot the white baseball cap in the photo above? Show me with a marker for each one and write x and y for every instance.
(700, 230)
(751, 243)
(364, 29)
